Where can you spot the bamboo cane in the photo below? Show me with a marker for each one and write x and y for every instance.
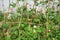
(59, 12)
(6, 22)
(35, 16)
(3, 10)
(18, 18)
(2, 5)
(47, 21)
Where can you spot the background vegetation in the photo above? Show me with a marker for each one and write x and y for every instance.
(31, 22)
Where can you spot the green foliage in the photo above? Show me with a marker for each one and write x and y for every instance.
(31, 25)
(13, 5)
(1, 16)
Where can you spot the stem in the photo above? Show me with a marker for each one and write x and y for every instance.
(47, 20)
(2, 5)
(59, 12)
(3, 11)
(9, 4)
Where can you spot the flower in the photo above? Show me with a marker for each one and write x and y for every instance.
(49, 30)
(20, 4)
(30, 6)
(39, 8)
(34, 26)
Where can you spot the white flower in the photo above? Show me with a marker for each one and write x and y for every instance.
(28, 7)
(20, 3)
(49, 30)
(39, 8)
(34, 26)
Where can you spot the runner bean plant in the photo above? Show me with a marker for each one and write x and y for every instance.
(31, 20)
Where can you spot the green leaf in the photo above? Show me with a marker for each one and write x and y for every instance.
(13, 4)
